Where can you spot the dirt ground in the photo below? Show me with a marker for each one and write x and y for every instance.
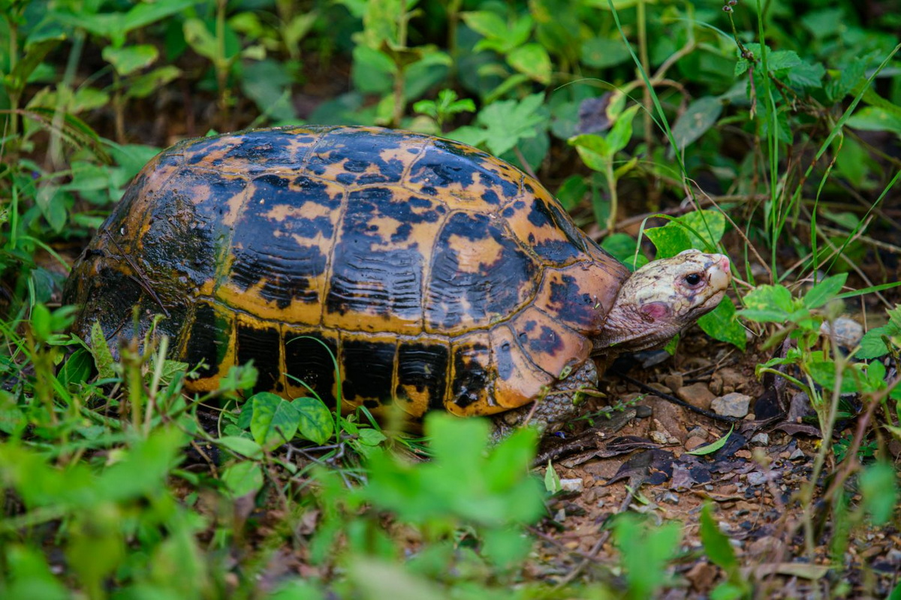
(754, 481)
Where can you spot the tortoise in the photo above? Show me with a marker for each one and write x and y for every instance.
(438, 276)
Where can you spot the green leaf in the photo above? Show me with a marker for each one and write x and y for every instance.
(623, 246)
(507, 122)
(268, 84)
(870, 118)
(824, 291)
(199, 37)
(144, 85)
(602, 53)
(593, 149)
(371, 437)
(373, 70)
(705, 228)
(242, 445)
(669, 240)
(316, 422)
(532, 60)
(77, 368)
(103, 358)
(30, 575)
(243, 478)
(621, 133)
(721, 324)
(486, 23)
(274, 420)
(879, 489)
(700, 116)
(872, 346)
(145, 13)
(768, 303)
(551, 479)
(712, 447)
(716, 544)
(131, 58)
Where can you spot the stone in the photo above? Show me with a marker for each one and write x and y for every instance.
(846, 332)
(761, 439)
(673, 381)
(696, 394)
(572, 485)
(732, 405)
(727, 380)
(668, 417)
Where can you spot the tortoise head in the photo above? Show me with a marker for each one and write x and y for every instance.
(661, 299)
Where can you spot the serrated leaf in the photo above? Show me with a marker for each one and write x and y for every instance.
(532, 60)
(274, 420)
(872, 345)
(103, 358)
(705, 228)
(700, 116)
(824, 291)
(316, 422)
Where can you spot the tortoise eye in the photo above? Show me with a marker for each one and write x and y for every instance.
(693, 279)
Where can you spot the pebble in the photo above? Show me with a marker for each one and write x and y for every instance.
(797, 454)
(572, 485)
(696, 394)
(670, 497)
(756, 478)
(673, 381)
(732, 405)
(848, 332)
(761, 439)
(663, 437)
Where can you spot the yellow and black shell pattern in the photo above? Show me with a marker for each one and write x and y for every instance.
(438, 276)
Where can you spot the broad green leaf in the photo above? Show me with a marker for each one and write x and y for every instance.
(146, 84)
(316, 421)
(824, 291)
(51, 199)
(507, 122)
(871, 118)
(242, 445)
(621, 133)
(669, 240)
(716, 544)
(371, 437)
(700, 116)
(713, 447)
(872, 345)
(485, 22)
(274, 420)
(602, 53)
(705, 228)
(130, 58)
(145, 13)
(879, 489)
(592, 159)
(768, 303)
(506, 547)
(823, 373)
(532, 60)
(721, 324)
(622, 246)
(30, 575)
(243, 478)
(200, 38)
(373, 70)
(77, 368)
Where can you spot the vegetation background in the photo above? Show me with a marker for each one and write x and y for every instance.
(767, 129)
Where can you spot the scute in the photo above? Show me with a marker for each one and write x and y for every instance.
(431, 273)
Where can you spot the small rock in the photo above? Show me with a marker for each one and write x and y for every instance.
(694, 442)
(732, 405)
(702, 576)
(799, 407)
(767, 546)
(728, 380)
(670, 497)
(696, 394)
(846, 332)
(643, 411)
(761, 439)
(698, 431)
(756, 478)
(660, 387)
(572, 485)
(673, 381)
(661, 436)
(560, 515)
(798, 454)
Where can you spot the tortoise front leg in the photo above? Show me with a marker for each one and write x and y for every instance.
(552, 410)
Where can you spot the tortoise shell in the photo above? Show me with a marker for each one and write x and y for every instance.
(437, 275)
